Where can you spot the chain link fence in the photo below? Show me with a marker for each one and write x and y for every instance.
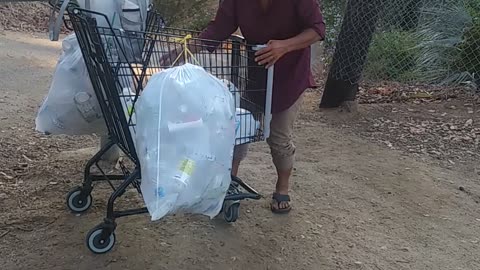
(407, 41)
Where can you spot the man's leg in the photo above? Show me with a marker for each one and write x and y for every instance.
(283, 153)
(239, 154)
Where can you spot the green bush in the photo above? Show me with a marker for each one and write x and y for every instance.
(333, 15)
(449, 38)
(189, 14)
(392, 56)
(469, 56)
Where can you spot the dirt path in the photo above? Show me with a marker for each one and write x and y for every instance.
(358, 203)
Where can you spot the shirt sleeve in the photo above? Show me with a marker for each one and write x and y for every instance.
(309, 12)
(224, 24)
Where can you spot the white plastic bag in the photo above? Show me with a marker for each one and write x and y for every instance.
(234, 90)
(130, 15)
(71, 106)
(185, 139)
(246, 127)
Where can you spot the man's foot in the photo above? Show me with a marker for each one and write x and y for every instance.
(280, 203)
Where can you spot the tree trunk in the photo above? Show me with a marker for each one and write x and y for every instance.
(358, 27)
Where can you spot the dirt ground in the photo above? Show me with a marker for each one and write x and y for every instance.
(394, 187)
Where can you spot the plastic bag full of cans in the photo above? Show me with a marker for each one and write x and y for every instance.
(185, 138)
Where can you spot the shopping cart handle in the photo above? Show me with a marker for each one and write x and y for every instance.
(259, 47)
(237, 38)
(54, 24)
(269, 93)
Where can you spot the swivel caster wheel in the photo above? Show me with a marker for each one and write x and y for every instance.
(99, 241)
(78, 203)
(231, 211)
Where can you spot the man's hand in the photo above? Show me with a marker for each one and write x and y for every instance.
(275, 50)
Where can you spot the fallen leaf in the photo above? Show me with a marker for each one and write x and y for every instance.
(468, 123)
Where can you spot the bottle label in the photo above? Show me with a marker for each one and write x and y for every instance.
(185, 170)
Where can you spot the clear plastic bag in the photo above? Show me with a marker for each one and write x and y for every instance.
(71, 106)
(185, 138)
(246, 127)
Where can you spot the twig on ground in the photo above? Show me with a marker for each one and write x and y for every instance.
(4, 234)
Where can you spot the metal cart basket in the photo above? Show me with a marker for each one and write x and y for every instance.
(116, 59)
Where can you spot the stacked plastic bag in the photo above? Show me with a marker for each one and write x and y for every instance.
(71, 106)
(246, 127)
(185, 139)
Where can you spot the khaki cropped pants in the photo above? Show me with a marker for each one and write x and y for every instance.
(280, 140)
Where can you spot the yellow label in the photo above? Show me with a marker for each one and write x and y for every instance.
(187, 166)
(130, 110)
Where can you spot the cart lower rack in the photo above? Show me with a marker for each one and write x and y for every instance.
(115, 59)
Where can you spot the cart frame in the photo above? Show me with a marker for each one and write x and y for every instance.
(104, 76)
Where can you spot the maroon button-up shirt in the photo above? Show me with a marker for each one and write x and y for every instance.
(283, 20)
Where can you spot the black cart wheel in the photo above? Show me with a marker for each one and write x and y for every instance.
(98, 242)
(77, 203)
(231, 212)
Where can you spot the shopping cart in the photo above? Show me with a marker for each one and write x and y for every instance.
(112, 67)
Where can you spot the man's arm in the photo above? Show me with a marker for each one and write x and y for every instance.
(303, 40)
(312, 21)
(277, 48)
(218, 30)
(222, 27)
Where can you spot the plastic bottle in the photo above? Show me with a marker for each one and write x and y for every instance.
(86, 106)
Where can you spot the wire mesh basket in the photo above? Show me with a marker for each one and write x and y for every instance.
(120, 64)
(132, 58)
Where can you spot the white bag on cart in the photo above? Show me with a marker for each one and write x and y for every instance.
(129, 15)
(246, 127)
(71, 106)
(185, 138)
